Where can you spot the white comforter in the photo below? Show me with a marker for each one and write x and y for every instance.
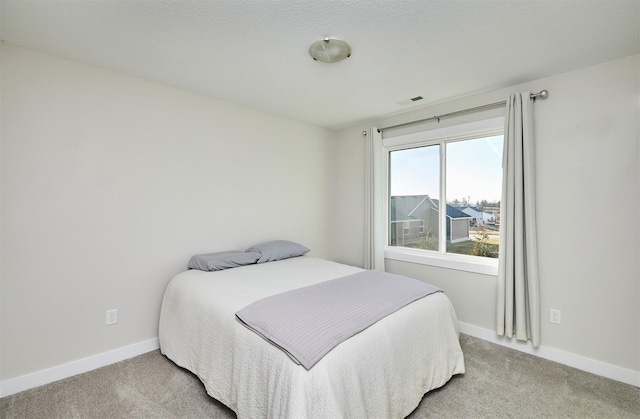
(382, 372)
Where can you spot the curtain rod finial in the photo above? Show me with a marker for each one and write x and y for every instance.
(543, 94)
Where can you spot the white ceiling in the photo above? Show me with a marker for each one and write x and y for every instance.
(255, 52)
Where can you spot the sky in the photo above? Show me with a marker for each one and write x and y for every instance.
(474, 169)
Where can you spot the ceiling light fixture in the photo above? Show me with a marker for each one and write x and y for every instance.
(330, 50)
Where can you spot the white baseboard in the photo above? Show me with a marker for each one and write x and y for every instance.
(603, 369)
(39, 378)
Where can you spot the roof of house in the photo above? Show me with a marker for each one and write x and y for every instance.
(452, 212)
(403, 207)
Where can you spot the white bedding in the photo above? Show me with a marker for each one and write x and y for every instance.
(382, 372)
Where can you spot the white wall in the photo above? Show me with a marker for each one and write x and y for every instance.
(110, 183)
(587, 135)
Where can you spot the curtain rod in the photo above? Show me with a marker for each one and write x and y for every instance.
(543, 94)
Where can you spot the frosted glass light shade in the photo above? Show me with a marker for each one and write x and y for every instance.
(330, 50)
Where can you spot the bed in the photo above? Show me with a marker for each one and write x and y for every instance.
(382, 371)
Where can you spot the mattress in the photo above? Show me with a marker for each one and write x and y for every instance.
(382, 372)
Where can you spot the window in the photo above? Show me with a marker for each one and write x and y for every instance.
(443, 196)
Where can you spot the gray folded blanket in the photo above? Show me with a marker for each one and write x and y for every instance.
(309, 322)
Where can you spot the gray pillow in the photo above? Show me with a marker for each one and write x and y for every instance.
(277, 250)
(223, 260)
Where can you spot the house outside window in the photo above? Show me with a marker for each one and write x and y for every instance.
(445, 186)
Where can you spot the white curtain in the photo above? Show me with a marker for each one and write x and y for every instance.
(374, 223)
(518, 285)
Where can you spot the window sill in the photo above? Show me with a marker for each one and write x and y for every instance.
(485, 266)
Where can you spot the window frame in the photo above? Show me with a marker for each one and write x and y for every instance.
(440, 258)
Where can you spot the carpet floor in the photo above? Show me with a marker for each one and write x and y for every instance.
(499, 383)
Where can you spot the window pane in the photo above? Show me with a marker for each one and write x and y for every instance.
(413, 191)
(474, 190)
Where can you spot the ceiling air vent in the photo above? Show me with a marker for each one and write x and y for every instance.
(410, 100)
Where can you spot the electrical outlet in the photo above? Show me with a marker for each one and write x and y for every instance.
(112, 317)
(554, 316)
